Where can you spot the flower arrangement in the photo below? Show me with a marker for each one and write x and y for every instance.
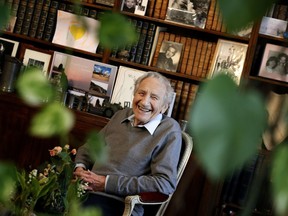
(47, 191)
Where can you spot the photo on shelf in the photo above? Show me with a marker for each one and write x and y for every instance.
(274, 63)
(92, 77)
(169, 55)
(138, 7)
(124, 88)
(36, 57)
(8, 47)
(189, 12)
(105, 2)
(229, 58)
(273, 27)
(76, 33)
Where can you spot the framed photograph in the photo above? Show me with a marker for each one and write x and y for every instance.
(138, 7)
(273, 27)
(274, 63)
(85, 75)
(36, 57)
(189, 12)
(169, 55)
(10, 47)
(229, 58)
(106, 2)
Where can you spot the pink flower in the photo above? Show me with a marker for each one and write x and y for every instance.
(73, 151)
(55, 151)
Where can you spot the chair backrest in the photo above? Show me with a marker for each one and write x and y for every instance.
(186, 150)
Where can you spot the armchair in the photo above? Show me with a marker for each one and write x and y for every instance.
(156, 198)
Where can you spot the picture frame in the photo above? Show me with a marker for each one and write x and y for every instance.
(273, 27)
(169, 55)
(229, 58)
(85, 75)
(188, 12)
(32, 56)
(10, 46)
(274, 64)
(138, 7)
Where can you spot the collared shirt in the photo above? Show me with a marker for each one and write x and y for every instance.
(150, 126)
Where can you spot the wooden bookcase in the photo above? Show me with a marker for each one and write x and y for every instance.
(200, 196)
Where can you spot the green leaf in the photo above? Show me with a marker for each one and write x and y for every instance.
(34, 88)
(226, 125)
(8, 179)
(53, 119)
(115, 30)
(280, 178)
(237, 14)
(96, 146)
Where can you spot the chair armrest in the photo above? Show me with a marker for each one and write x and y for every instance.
(147, 198)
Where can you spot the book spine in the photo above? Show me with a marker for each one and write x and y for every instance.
(148, 44)
(183, 100)
(157, 9)
(43, 18)
(215, 17)
(36, 18)
(207, 59)
(14, 8)
(210, 15)
(133, 50)
(191, 56)
(203, 54)
(190, 100)
(28, 17)
(150, 8)
(20, 16)
(197, 57)
(185, 56)
(51, 21)
(158, 46)
(183, 40)
(163, 10)
(178, 90)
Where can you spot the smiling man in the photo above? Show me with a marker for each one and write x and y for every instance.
(144, 147)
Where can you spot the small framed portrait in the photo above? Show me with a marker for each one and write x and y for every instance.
(273, 27)
(229, 58)
(9, 47)
(169, 55)
(138, 7)
(189, 12)
(36, 57)
(274, 64)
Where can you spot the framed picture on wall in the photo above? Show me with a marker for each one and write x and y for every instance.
(229, 58)
(274, 64)
(138, 7)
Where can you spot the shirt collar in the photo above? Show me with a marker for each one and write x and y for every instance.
(151, 125)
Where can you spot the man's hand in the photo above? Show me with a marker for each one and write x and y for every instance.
(95, 182)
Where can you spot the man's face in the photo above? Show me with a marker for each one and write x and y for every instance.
(171, 51)
(130, 3)
(148, 100)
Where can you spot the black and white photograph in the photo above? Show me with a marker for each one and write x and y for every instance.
(138, 7)
(169, 56)
(8, 47)
(229, 58)
(274, 64)
(189, 12)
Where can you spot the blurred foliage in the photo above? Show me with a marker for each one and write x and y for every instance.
(239, 13)
(226, 124)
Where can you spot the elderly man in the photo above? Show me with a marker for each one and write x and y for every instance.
(144, 147)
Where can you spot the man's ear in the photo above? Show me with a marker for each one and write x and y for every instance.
(164, 108)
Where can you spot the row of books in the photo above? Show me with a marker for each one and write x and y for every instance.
(37, 18)
(278, 11)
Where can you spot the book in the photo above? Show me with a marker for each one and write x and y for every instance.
(178, 90)
(148, 44)
(14, 8)
(157, 47)
(163, 10)
(138, 25)
(28, 17)
(150, 8)
(51, 21)
(183, 100)
(215, 17)
(157, 9)
(36, 17)
(182, 40)
(191, 56)
(207, 60)
(43, 18)
(20, 16)
(141, 42)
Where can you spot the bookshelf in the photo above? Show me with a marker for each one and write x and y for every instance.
(195, 63)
